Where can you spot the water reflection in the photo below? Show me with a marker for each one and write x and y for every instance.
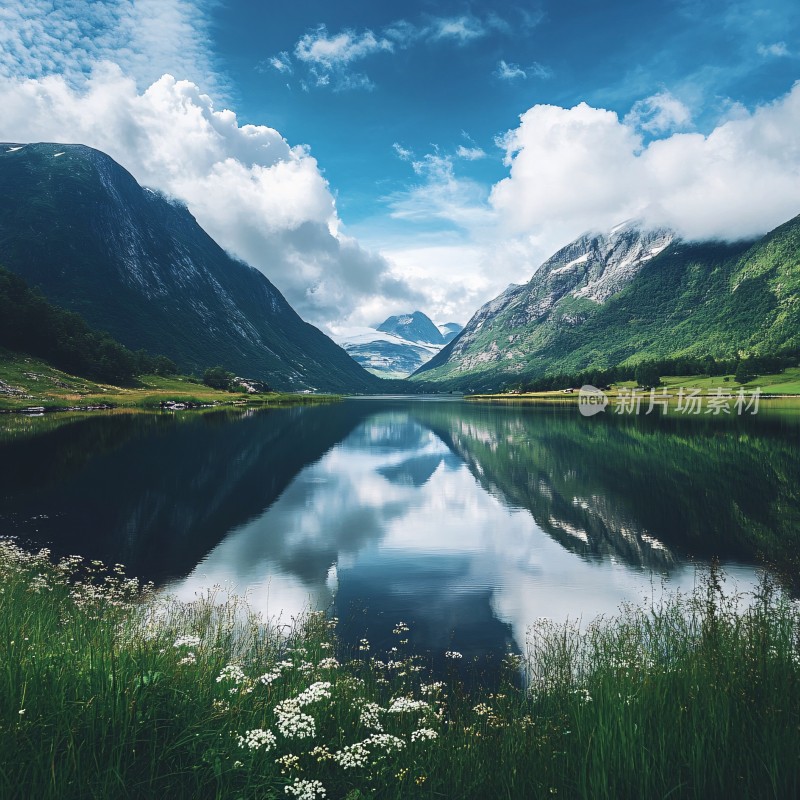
(466, 521)
(473, 522)
(155, 492)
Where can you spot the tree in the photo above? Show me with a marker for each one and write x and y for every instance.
(744, 372)
(217, 378)
(647, 374)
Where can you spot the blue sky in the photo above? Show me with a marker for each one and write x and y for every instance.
(480, 66)
(373, 158)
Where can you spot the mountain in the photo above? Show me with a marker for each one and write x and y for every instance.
(399, 345)
(450, 330)
(77, 225)
(416, 327)
(385, 354)
(627, 296)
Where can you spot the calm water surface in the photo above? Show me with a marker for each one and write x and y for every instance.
(466, 521)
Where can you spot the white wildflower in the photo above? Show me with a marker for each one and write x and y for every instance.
(232, 673)
(288, 762)
(454, 654)
(321, 753)
(352, 756)
(292, 722)
(424, 733)
(402, 704)
(369, 716)
(187, 641)
(268, 677)
(385, 741)
(39, 583)
(584, 695)
(257, 739)
(358, 754)
(321, 690)
(306, 790)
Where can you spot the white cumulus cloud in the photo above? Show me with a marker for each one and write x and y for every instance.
(462, 29)
(659, 113)
(262, 199)
(282, 63)
(582, 168)
(328, 57)
(470, 153)
(572, 170)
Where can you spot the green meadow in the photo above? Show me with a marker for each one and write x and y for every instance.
(110, 690)
(27, 382)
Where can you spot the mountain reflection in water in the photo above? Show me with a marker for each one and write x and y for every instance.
(466, 521)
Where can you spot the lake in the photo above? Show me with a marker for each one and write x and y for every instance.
(467, 521)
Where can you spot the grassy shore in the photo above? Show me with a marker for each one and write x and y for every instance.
(109, 691)
(783, 387)
(26, 382)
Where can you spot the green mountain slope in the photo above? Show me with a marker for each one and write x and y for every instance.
(76, 225)
(711, 298)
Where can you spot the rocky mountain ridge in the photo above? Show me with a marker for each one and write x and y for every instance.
(632, 294)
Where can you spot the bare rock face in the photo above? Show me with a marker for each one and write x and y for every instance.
(593, 268)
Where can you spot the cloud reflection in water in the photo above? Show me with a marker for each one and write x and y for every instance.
(396, 522)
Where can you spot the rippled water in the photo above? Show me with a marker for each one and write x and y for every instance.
(467, 521)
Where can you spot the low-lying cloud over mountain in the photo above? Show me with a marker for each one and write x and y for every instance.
(584, 167)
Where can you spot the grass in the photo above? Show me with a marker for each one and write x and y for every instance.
(109, 691)
(784, 383)
(27, 382)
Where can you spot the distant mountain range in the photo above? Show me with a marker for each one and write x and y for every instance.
(399, 345)
(78, 226)
(632, 294)
(133, 263)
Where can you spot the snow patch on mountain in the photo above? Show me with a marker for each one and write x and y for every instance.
(594, 267)
(385, 352)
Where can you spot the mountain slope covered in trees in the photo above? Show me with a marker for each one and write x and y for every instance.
(628, 297)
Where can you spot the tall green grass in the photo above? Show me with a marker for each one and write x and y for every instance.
(110, 691)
